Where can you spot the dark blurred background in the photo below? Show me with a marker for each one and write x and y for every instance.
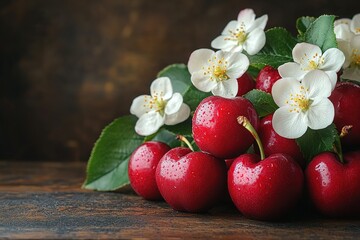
(68, 68)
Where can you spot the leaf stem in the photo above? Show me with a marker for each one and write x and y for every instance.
(246, 123)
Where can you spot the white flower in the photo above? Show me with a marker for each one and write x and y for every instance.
(247, 33)
(346, 28)
(302, 104)
(162, 107)
(308, 57)
(342, 29)
(351, 65)
(355, 24)
(217, 71)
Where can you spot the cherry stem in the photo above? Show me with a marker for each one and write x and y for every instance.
(338, 149)
(345, 130)
(337, 145)
(184, 139)
(246, 123)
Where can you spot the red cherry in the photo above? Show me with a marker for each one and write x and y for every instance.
(266, 78)
(264, 188)
(274, 143)
(334, 188)
(346, 100)
(142, 166)
(267, 189)
(191, 181)
(215, 127)
(245, 84)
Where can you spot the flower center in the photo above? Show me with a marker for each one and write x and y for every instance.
(216, 69)
(220, 73)
(299, 101)
(312, 65)
(156, 103)
(313, 62)
(239, 35)
(355, 58)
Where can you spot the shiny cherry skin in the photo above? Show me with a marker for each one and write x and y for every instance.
(245, 84)
(266, 78)
(274, 143)
(142, 166)
(265, 190)
(215, 127)
(346, 100)
(191, 181)
(334, 187)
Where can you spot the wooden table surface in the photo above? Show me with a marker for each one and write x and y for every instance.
(45, 200)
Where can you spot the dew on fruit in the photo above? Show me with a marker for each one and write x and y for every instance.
(245, 175)
(323, 170)
(205, 115)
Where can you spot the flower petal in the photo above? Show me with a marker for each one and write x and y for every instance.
(260, 22)
(321, 114)
(226, 89)
(345, 47)
(255, 41)
(355, 24)
(179, 116)
(224, 43)
(174, 104)
(139, 105)
(333, 60)
(283, 89)
(198, 59)
(352, 73)
(289, 124)
(161, 87)
(202, 81)
(343, 32)
(238, 64)
(345, 21)
(291, 69)
(246, 17)
(231, 26)
(333, 77)
(149, 123)
(318, 84)
(303, 53)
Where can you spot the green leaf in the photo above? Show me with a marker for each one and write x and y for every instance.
(263, 102)
(179, 76)
(302, 25)
(277, 50)
(314, 142)
(181, 81)
(183, 128)
(108, 163)
(321, 32)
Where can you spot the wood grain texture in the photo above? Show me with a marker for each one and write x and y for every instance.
(68, 68)
(44, 201)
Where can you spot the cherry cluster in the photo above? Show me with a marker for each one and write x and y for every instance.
(267, 184)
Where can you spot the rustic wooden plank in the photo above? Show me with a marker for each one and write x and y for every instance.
(116, 215)
(41, 176)
(44, 200)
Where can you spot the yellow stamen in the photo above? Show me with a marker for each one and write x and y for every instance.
(355, 57)
(220, 73)
(299, 101)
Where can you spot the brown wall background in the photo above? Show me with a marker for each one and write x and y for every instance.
(69, 67)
